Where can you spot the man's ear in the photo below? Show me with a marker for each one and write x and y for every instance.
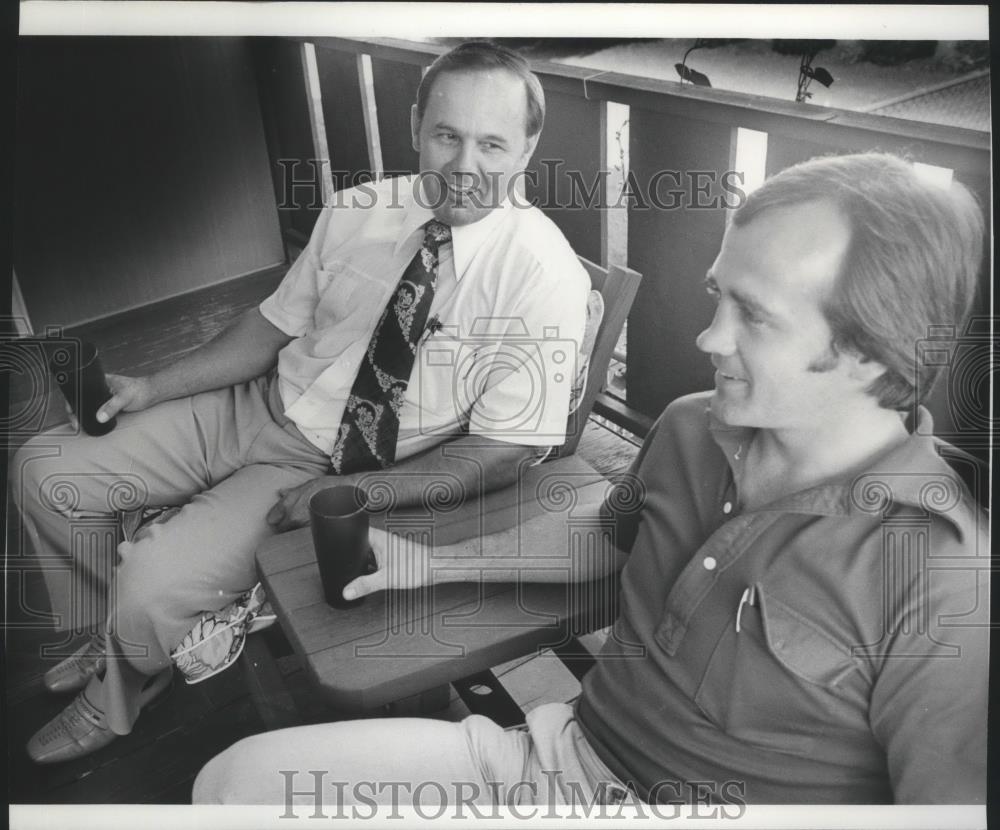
(529, 148)
(415, 128)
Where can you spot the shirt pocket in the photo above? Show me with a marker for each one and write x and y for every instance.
(347, 298)
(781, 682)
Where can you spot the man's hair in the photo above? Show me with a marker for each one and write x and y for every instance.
(481, 56)
(912, 261)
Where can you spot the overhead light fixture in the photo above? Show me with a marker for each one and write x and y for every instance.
(692, 75)
(808, 74)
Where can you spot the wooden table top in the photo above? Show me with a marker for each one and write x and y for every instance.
(400, 643)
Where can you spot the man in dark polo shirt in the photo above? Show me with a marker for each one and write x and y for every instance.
(802, 575)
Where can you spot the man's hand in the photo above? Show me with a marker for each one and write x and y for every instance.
(128, 395)
(291, 510)
(402, 563)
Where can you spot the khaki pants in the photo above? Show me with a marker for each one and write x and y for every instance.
(223, 456)
(410, 761)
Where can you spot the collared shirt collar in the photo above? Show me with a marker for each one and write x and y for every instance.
(465, 239)
(911, 474)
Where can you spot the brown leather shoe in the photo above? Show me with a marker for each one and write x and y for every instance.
(73, 673)
(81, 727)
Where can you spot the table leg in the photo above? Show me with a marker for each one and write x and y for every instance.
(271, 699)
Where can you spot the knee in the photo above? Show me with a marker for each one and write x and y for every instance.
(28, 469)
(144, 580)
(211, 785)
(230, 777)
(39, 476)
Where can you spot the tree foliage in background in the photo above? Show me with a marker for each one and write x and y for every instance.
(956, 56)
(788, 46)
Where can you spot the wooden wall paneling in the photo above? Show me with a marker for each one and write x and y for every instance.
(567, 163)
(784, 151)
(287, 123)
(395, 92)
(369, 112)
(344, 117)
(141, 173)
(673, 240)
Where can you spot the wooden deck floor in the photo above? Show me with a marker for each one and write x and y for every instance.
(159, 760)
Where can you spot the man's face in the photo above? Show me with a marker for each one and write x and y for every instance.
(769, 341)
(471, 142)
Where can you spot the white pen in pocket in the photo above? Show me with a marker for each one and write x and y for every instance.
(749, 598)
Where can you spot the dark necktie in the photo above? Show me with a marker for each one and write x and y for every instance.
(370, 426)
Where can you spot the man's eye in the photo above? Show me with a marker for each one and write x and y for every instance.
(492, 148)
(712, 292)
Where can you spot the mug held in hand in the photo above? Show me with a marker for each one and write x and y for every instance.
(76, 367)
(339, 519)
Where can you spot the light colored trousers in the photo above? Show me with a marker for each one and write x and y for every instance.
(405, 762)
(223, 456)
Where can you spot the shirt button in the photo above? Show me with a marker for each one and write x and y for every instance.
(709, 563)
(727, 508)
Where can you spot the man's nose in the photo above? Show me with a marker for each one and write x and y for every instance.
(465, 165)
(718, 337)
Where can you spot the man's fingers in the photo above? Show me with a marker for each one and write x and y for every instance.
(367, 584)
(275, 514)
(110, 409)
(298, 514)
(285, 516)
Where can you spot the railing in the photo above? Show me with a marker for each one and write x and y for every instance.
(682, 149)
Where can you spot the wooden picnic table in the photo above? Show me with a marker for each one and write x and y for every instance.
(402, 643)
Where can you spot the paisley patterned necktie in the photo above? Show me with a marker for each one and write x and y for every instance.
(368, 431)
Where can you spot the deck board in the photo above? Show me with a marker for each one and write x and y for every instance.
(159, 760)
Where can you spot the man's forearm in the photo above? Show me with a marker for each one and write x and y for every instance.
(545, 548)
(245, 350)
(461, 469)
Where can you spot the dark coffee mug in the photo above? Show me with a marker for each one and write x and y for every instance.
(76, 366)
(339, 519)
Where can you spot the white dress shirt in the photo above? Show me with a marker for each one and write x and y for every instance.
(510, 300)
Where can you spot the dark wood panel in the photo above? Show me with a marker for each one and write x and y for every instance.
(141, 172)
(783, 152)
(675, 231)
(344, 117)
(567, 163)
(395, 93)
(288, 127)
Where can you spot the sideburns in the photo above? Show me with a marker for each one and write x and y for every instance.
(827, 361)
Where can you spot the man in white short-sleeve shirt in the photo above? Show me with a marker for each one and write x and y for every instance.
(239, 447)
(497, 360)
